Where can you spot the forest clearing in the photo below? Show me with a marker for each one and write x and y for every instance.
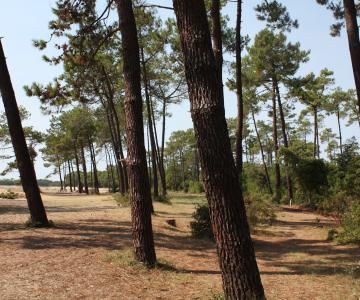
(79, 257)
(180, 149)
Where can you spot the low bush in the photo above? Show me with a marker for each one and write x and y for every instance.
(336, 204)
(351, 225)
(122, 200)
(259, 210)
(8, 195)
(195, 187)
(201, 226)
(162, 199)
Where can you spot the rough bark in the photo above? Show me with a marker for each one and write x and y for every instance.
(26, 168)
(139, 186)
(217, 38)
(239, 93)
(240, 274)
(352, 29)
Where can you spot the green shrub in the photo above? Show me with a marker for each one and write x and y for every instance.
(162, 199)
(336, 204)
(259, 210)
(195, 187)
(351, 225)
(201, 226)
(8, 195)
(122, 200)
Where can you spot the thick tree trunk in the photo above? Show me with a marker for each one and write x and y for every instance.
(286, 142)
(26, 168)
(262, 153)
(239, 93)
(86, 186)
(217, 38)
(240, 274)
(150, 126)
(352, 28)
(139, 186)
(276, 148)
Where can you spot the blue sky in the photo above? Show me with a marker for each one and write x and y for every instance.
(21, 21)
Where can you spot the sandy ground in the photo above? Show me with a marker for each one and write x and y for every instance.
(71, 261)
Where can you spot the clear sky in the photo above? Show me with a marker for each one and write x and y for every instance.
(21, 21)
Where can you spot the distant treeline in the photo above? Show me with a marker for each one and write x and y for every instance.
(41, 182)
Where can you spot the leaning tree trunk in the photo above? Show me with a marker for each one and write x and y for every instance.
(160, 163)
(276, 148)
(138, 177)
(352, 28)
(239, 93)
(286, 142)
(26, 168)
(262, 153)
(240, 274)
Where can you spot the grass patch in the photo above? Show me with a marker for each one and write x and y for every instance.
(126, 259)
(121, 200)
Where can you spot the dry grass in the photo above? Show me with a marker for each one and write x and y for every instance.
(86, 256)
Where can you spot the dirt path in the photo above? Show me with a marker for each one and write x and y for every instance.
(71, 261)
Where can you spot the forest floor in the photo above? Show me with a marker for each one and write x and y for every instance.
(84, 255)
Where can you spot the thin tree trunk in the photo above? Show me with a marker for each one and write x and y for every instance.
(70, 178)
(262, 153)
(80, 185)
(93, 160)
(315, 129)
(139, 186)
(240, 274)
(60, 177)
(340, 133)
(276, 148)
(239, 93)
(150, 126)
(73, 175)
(86, 186)
(352, 28)
(160, 162)
(286, 142)
(26, 168)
